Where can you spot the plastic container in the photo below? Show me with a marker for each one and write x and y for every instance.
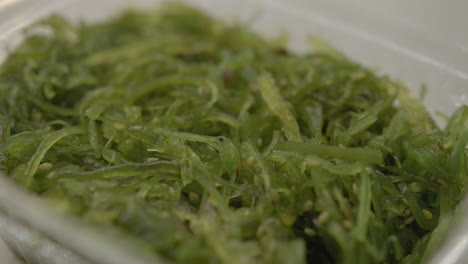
(407, 44)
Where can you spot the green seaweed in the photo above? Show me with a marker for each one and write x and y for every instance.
(208, 143)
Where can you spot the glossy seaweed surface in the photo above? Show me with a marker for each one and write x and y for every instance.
(206, 143)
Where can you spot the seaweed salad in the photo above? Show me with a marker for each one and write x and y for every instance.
(208, 143)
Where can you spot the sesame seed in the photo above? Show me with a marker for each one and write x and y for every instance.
(427, 214)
